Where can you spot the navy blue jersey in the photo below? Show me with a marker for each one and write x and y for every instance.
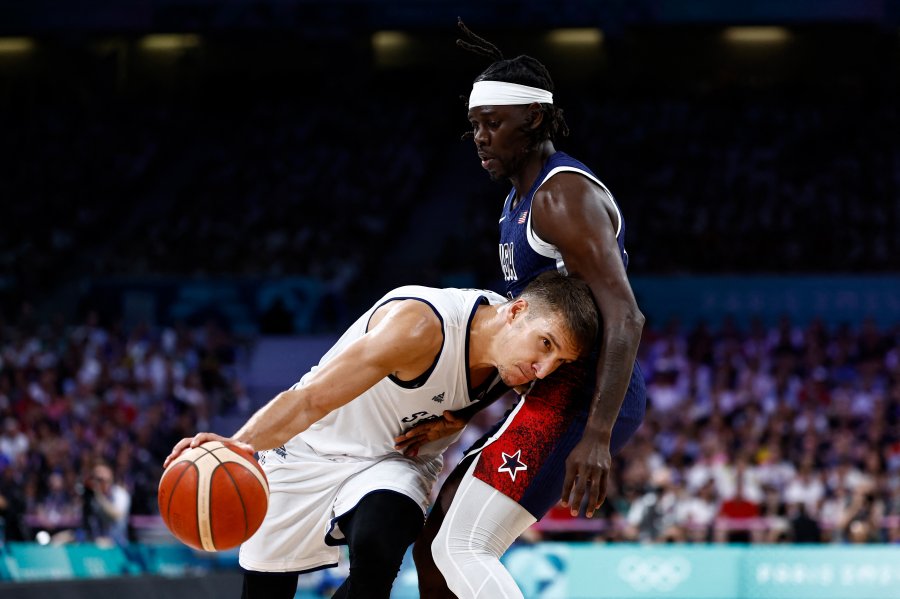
(524, 455)
(523, 255)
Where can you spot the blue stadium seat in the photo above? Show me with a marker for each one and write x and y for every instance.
(171, 559)
(91, 561)
(5, 562)
(30, 561)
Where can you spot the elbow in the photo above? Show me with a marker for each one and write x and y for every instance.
(625, 325)
(638, 321)
(315, 412)
(634, 324)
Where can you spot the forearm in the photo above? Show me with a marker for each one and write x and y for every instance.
(614, 367)
(287, 415)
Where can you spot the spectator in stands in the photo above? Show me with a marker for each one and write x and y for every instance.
(806, 488)
(58, 507)
(804, 527)
(12, 503)
(697, 513)
(737, 521)
(654, 513)
(12, 440)
(861, 520)
(827, 423)
(775, 519)
(106, 508)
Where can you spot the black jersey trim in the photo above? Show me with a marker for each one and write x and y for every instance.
(422, 378)
(474, 394)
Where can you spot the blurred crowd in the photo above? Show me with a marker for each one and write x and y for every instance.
(763, 434)
(263, 186)
(731, 181)
(89, 412)
(275, 185)
(727, 182)
(782, 434)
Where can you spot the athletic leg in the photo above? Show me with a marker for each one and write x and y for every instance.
(557, 390)
(478, 528)
(269, 585)
(378, 531)
(431, 582)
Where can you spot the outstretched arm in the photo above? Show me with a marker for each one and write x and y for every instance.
(579, 218)
(403, 339)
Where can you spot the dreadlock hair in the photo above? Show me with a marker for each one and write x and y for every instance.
(523, 70)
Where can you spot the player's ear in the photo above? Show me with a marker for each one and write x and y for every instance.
(516, 309)
(535, 116)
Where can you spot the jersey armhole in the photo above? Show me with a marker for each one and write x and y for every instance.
(549, 250)
(422, 378)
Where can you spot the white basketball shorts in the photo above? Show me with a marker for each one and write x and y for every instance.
(308, 492)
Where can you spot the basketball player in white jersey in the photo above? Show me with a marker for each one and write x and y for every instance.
(327, 444)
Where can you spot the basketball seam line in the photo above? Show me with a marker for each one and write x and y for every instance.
(240, 496)
(172, 493)
(233, 482)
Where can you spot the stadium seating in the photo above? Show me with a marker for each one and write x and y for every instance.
(28, 561)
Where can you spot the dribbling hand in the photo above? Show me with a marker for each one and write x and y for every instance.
(199, 439)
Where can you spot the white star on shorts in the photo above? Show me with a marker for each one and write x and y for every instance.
(512, 464)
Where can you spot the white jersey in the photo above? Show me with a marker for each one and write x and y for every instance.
(325, 471)
(366, 427)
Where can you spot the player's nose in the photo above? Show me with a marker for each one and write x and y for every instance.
(542, 368)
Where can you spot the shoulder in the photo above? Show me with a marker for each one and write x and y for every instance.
(417, 313)
(401, 332)
(570, 181)
(414, 322)
(571, 192)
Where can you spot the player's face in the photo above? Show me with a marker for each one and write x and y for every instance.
(500, 138)
(534, 348)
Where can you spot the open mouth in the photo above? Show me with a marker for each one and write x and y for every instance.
(486, 160)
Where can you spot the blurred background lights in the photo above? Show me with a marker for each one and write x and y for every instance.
(168, 42)
(16, 45)
(581, 36)
(756, 35)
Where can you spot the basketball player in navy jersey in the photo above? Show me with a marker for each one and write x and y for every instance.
(556, 443)
(327, 444)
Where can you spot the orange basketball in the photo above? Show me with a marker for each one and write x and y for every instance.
(214, 496)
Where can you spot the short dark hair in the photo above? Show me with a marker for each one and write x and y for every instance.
(572, 299)
(523, 70)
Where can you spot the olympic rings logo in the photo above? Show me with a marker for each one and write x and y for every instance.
(654, 573)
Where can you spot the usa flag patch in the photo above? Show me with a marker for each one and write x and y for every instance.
(523, 217)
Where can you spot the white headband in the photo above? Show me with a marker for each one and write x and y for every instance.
(500, 93)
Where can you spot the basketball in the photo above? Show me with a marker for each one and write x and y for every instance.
(214, 496)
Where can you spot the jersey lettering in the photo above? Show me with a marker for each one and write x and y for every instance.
(413, 417)
(507, 261)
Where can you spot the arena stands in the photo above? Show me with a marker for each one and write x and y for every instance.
(350, 179)
(802, 424)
